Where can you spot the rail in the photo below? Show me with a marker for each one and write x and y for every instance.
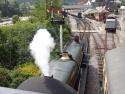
(110, 41)
(84, 37)
(100, 51)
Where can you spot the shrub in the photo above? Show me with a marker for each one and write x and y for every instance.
(15, 18)
(5, 78)
(23, 72)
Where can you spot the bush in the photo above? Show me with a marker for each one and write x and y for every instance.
(15, 18)
(23, 72)
(5, 78)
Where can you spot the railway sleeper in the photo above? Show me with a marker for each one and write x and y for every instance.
(100, 57)
(100, 60)
(100, 69)
(100, 66)
(98, 53)
(100, 76)
(100, 72)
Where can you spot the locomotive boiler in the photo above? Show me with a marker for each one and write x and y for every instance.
(64, 73)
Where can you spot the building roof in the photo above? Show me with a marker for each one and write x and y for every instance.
(115, 66)
(94, 11)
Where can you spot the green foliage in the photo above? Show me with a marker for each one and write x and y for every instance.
(15, 77)
(14, 43)
(23, 72)
(123, 2)
(39, 11)
(5, 78)
(9, 8)
(15, 18)
(25, 7)
(28, 69)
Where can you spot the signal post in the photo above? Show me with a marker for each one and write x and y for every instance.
(60, 22)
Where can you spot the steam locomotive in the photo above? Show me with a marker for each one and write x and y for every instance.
(64, 73)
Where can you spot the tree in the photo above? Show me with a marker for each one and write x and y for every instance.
(123, 2)
(9, 8)
(14, 43)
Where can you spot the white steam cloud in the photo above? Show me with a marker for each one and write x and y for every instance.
(41, 46)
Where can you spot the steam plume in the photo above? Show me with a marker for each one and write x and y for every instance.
(41, 46)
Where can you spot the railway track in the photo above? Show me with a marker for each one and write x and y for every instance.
(101, 43)
(110, 41)
(100, 49)
(101, 46)
(85, 26)
(84, 39)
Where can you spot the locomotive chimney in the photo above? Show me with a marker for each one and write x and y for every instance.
(76, 39)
